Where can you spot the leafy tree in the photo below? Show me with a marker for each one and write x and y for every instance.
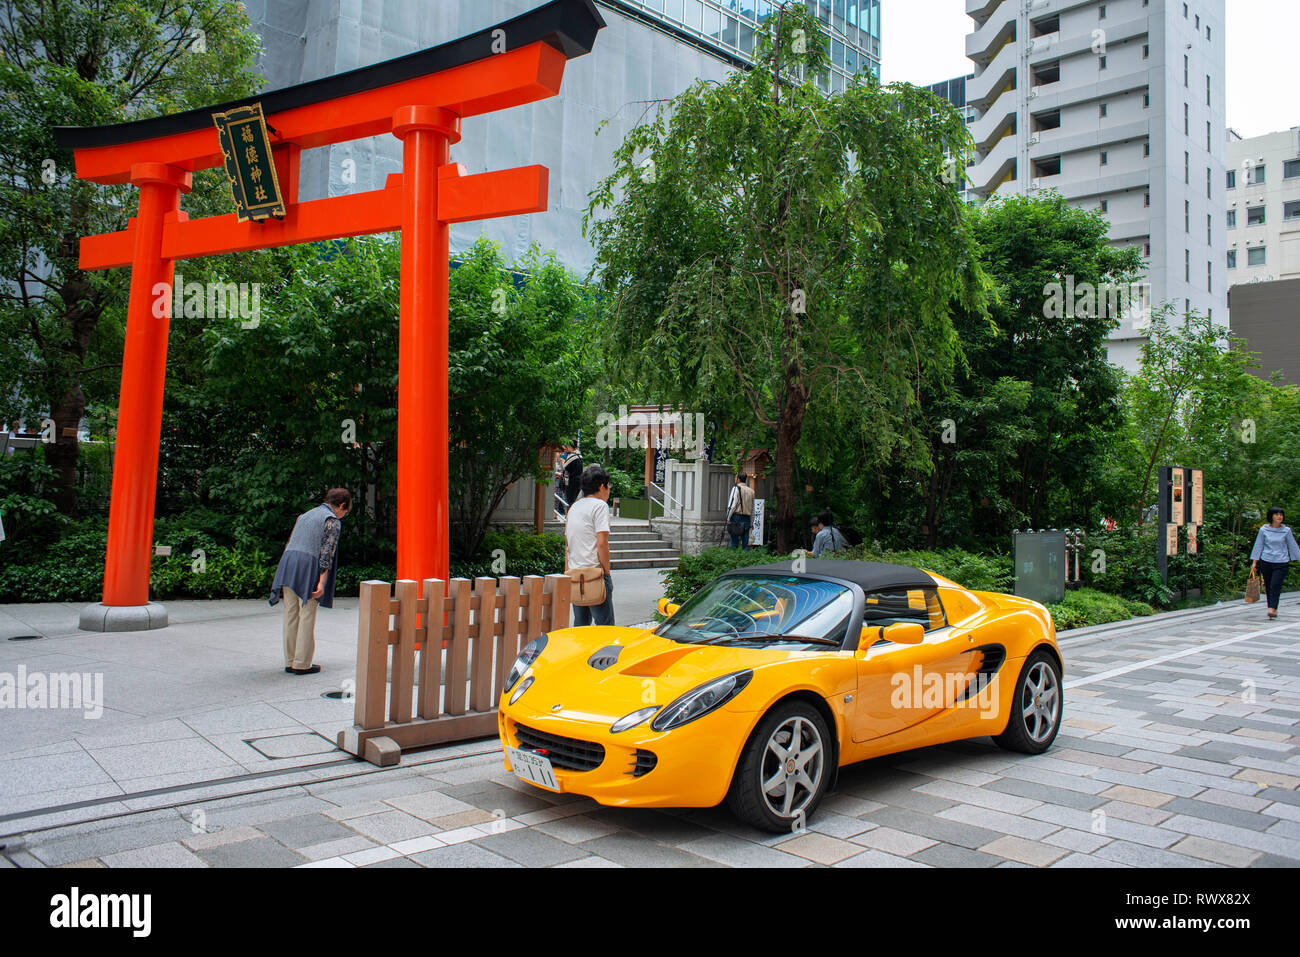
(785, 262)
(1030, 407)
(307, 399)
(89, 63)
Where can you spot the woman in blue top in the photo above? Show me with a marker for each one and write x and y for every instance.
(1275, 549)
(305, 577)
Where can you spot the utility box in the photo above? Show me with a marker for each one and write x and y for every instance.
(1040, 565)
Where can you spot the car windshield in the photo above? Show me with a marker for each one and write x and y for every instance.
(737, 609)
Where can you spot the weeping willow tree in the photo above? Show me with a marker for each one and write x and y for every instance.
(787, 261)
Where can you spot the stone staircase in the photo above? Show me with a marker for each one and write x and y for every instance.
(633, 545)
(639, 547)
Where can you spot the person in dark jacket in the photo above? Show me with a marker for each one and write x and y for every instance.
(305, 577)
(1275, 549)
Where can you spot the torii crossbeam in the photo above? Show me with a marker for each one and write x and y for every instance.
(421, 99)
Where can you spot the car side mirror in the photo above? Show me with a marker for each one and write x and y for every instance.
(667, 608)
(869, 636)
(905, 633)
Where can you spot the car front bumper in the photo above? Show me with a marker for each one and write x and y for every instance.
(693, 764)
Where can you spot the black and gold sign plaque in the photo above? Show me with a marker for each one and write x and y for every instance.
(246, 146)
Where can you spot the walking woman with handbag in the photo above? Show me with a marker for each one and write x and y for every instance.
(1275, 549)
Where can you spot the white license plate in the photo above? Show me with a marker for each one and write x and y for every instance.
(533, 768)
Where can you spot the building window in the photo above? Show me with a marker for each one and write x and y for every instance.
(1146, 198)
(1101, 110)
(1187, 215)
(1207, 32)
(1187, 265)
(1146, 101)
(1232, 219)
(1209, 229)
(1198, 23)
(1208, 130)
(1105, 158)
(1255, 215)
(1209, 179)
(1232, 179)
(1209, 277)
(1187, 167)
(1101, 63)
(1232, 259)
(1291, 210)
(1187, 120)
(1101, 11)
(1207, 89)
(1146, 148)
(1146, 51)
(1146, 250)
(1255, 175)
(1257, 256)
(1105, 206)
(1184, 11)
(1185, 71)
(1291, 169)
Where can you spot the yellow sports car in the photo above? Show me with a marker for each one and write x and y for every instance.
(770, 679)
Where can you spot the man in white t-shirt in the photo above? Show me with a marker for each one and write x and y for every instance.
(586, 540)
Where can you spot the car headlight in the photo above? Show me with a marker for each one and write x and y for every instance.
(527, 683)
(632, 720)
(527, 656)
(700, 701)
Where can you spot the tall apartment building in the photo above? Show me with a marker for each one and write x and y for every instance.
(1263, 207)
(1118, 105)
(650, 50)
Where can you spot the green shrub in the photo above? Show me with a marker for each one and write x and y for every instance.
(693, 572)
(1087, 606)
(969, 569)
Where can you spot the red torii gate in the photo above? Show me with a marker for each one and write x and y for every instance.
(421, 99)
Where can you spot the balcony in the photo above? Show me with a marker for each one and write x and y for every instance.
(993, 165)
(984, 43)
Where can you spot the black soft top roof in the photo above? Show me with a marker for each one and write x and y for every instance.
(870, 576)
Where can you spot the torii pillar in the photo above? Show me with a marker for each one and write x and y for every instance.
(421, 99)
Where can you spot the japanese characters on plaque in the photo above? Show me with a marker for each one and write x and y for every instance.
(246, 146)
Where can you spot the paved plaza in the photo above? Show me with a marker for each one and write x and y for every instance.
(1178, 749)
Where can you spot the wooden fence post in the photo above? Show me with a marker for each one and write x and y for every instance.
(435, 591)
(372, 654)
(480, 688)
(403, 672)
(508, 643)
(458, 646)
(557, 586)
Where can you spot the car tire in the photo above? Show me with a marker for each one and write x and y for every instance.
(1036, 708)
(767, 756)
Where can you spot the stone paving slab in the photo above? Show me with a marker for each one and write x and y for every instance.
(1129, 783)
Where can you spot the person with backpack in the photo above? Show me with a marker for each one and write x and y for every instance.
(740, 512)
(826, 537)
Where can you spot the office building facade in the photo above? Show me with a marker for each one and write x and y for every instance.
(1263, 207)
(1119, 106)
(651, 50)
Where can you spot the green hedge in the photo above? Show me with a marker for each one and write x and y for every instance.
(1087, 606)
(72, 568)
(693, 572)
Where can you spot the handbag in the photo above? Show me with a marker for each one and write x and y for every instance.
(588, 586)
(1252, 587)
(735, 527)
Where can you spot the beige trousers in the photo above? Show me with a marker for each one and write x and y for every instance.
(299, 630)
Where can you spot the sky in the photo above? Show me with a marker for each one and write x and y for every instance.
(924, 41)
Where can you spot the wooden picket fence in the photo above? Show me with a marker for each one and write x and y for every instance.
(449, 696)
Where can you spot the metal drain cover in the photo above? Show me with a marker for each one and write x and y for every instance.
(338, 695)
(297, 745)
(25, 637)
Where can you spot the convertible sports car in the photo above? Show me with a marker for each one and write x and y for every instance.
(771, 678)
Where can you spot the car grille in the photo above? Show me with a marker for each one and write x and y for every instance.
(564, 752)
(643, 763)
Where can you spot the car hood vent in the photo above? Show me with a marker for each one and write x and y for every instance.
(605, 657)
